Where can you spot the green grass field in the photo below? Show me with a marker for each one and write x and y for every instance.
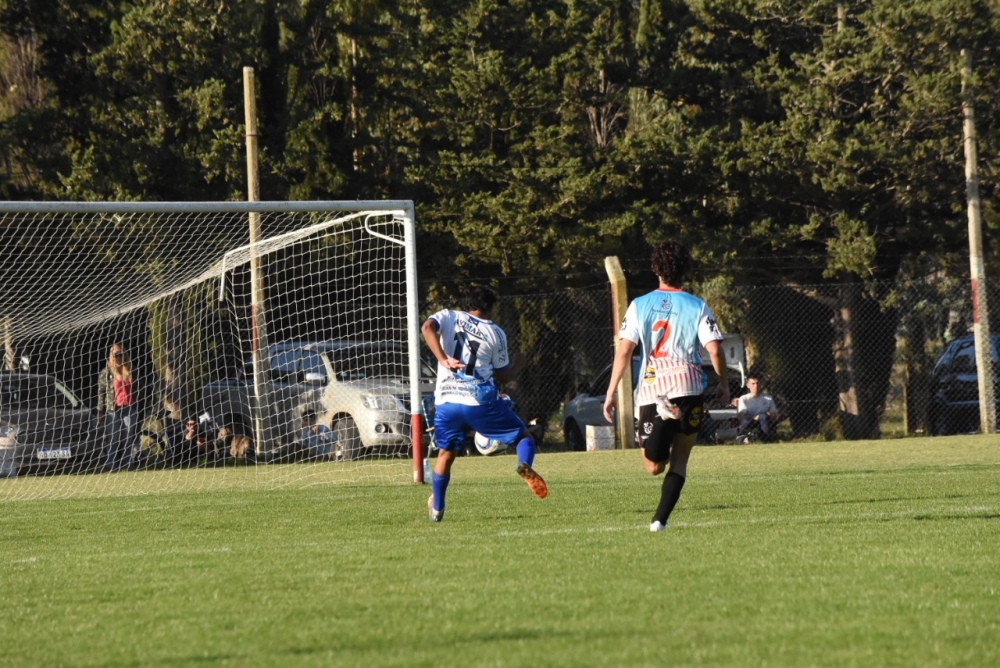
(839, 554)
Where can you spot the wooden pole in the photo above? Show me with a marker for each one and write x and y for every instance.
(980, 307)
(258, 329)
(625, 425)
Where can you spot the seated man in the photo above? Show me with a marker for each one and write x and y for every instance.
(757, 413)
(315, 440)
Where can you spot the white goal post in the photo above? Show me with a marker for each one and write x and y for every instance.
(337, 396)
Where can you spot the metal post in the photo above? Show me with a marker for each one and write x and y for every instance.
(417, 427)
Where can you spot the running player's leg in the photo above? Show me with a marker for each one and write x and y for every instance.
(673, 482)
(497, 420)
(655, 438)
(449, 433)
(683, 442)
(525, 461)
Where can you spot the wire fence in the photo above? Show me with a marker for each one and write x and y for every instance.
(843, 361)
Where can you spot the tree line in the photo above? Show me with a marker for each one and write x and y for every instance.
(787, 142)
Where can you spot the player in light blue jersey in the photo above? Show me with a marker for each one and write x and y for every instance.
(472, 356)
(667, 326)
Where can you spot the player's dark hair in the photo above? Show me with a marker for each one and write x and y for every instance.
(671, 262)
(755, 375)
(478, 298)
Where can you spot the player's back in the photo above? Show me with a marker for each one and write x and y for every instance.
(480, 345)
(671, 319)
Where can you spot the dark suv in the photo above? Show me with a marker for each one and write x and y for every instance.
(954, 406)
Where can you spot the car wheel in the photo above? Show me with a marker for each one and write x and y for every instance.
(573, 437)
(348, 438)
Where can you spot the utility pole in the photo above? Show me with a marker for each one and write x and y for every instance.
(258, 328)
(980, 307)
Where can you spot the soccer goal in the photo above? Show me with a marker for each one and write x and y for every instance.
(154, 347)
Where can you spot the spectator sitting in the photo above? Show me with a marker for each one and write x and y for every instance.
(757, 413)
(191, 444)
(315, 440)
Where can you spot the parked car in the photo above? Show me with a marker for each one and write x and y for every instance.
(587, 407)
(359, 389)
(954, 404)
(44, 427)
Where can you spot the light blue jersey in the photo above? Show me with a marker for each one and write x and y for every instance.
(667, 326)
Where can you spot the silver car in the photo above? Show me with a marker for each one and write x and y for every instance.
(359, 389)
(364, 395)
(44, 427)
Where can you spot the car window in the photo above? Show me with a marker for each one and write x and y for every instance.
(600, 385)
(284, 366)
(965, 359)
(944, 362)
(67, 395)
(285, 361)
(368, 362)
(312, 366)
(36, 392)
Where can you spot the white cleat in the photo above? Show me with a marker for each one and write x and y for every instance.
(657, 526)
(433, 515)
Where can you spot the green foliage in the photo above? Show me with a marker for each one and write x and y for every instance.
(537, 137)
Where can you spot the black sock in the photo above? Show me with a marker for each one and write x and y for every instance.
(670, 492)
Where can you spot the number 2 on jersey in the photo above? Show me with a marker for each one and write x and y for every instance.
(663, 325)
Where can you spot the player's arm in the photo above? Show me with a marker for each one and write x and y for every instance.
(772, 408)
(512, 370)
(429, 330)
(718, 355)
(623, 361)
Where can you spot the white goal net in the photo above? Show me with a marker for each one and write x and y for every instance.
(152, 348)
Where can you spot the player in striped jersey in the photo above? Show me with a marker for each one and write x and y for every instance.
(667, 326)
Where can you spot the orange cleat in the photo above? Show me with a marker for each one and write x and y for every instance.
(535, 482)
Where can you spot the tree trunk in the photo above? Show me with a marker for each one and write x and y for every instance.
(177, 400)
(844, 356)
(916, 389)
(863, 350)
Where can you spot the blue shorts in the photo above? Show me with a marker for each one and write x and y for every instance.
(493, 420)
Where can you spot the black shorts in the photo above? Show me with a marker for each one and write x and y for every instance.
(656, 435)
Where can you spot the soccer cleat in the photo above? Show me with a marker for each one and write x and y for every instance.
(433, 515)
(535, 482)
(658, 526)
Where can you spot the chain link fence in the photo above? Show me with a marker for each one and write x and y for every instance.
(843, 361)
